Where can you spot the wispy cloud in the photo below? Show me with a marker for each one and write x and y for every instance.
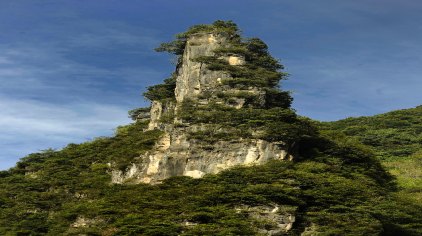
(28, 126)
(349, 59)
(350, 85)
(50, 95)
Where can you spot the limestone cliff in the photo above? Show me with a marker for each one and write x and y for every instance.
(193, 77)
(176, 153)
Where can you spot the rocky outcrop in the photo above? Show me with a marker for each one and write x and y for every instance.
(176, 154)
(276, 219)
(193, 77)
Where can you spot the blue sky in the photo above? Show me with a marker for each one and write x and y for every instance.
(70, 70)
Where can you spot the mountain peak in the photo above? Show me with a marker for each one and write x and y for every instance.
(217, 108)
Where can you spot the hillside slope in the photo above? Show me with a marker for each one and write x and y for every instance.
(338, 190)
(393, 135)
(396, 139)
(215, 107)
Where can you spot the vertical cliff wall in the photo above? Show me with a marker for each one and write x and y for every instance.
(193, 77)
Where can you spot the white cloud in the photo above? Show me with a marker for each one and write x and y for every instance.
(48, 99)
(352, 85)
(29, 126)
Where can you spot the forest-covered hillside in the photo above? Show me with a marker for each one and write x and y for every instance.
(396, 139)
(340, 187)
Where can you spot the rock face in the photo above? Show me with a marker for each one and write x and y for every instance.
(193, 77)
(175, 154)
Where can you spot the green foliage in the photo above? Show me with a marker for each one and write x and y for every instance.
(392, 135)
(254, 73)
(396, 139)
(243, 76)
(177, 46)
(243, 83)
(259, 57)
(339, 186)
(249, 98)
(277, 98)
(275, 124)
(409, 175)
(134, 114)
(261, 70)
(163, 91)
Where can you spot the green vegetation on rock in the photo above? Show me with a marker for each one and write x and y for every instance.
(276, 124)
(338, 185)
(163, 91)
(260, 70)
(177, 46)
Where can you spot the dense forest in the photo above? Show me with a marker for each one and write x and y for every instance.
(396, 140)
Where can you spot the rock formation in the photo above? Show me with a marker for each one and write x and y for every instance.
(177, 153)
